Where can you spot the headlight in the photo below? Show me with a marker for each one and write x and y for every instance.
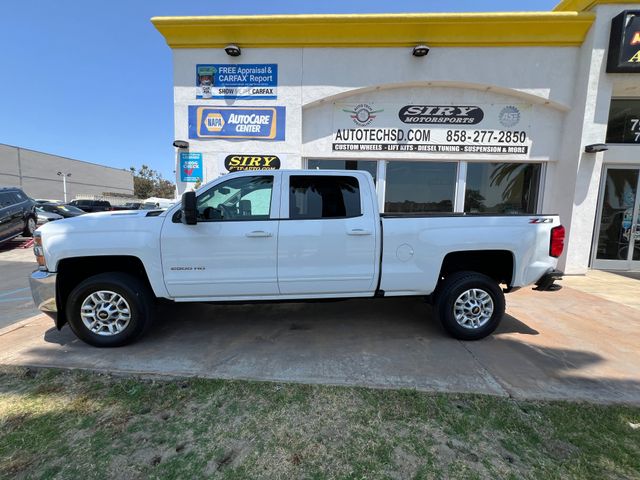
(38, 251)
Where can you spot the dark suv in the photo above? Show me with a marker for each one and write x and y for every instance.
(17, 214)
(91, 206)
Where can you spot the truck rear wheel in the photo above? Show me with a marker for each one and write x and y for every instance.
(469, 305)
(110, 309)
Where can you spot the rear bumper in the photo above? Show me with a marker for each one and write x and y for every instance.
(546, 283)
(43, 290)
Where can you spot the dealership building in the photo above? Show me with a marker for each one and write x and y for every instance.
(490, 113)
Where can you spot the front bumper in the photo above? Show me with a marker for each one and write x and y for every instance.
(546, 282)
(43, 290)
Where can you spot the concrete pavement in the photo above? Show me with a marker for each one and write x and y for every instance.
(16, 264)
(553, 345)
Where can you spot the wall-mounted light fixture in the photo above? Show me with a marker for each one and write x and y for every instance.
(181, 144)
(596, 147)
(233, 50)
(420, 51)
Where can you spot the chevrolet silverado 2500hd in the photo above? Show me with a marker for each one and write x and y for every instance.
(286, 235)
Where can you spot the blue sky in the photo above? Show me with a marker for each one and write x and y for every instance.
(93, 80)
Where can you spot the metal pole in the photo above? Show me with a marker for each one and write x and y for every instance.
(64, 187)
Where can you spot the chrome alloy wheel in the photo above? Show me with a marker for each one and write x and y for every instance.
(105, 313)
(473, 308)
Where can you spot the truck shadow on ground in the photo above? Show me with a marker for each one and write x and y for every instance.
(404, 316)
(379, 343)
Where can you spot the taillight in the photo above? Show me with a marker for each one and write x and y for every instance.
(557, 241)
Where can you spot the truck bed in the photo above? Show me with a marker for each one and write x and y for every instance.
(415, 245)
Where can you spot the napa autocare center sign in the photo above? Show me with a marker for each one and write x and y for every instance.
(190, 167)
(229, 81)
(432, 128)
(239, 123)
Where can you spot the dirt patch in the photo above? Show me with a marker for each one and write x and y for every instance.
(231, 457)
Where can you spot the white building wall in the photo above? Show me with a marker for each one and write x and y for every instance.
(566, 86)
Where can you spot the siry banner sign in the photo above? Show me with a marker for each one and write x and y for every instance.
(241, 123)
(624, 43)
(254, 81)
(238, 163)
(432, 128)
(190, 167)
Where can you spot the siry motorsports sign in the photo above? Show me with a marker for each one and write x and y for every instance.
(432, 128)
(624, 43)
(238, 163)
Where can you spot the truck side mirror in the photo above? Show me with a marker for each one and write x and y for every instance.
(189, 213)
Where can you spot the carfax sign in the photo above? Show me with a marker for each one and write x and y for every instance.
(253, 81)
(240, 123)
(190, 167)
(432, 128)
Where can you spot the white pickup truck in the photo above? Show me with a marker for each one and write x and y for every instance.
(286, 235)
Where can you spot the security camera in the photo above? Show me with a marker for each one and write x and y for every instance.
(420, 51)
(233, 50)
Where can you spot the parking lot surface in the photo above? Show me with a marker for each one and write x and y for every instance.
(16, 264)
(569, 344)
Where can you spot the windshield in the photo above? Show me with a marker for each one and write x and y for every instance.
(69, 209)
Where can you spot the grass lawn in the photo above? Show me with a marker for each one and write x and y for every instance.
(56, 424)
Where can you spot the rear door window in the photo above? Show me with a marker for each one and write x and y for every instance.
(323, 196)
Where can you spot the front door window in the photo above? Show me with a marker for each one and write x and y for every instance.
(244, 198)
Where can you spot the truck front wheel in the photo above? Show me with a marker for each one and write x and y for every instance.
(469, 305)
(110, 309)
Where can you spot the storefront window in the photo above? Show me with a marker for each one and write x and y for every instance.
(506, 188)
(366, 165)
(420, 187)
(624, 121)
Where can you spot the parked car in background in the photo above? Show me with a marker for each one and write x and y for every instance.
(91, 206)
(128, 206)
(66, 211)
(17, 214)
(41, 201)
(45, 216)
(150, 206)
(153, 203)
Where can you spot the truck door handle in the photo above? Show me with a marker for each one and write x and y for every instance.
(258, 233)
(358, 231)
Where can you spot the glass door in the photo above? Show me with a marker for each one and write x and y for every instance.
(617, 243)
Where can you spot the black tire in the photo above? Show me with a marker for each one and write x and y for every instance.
(136, 294)
(30, 225)
(451, 288)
